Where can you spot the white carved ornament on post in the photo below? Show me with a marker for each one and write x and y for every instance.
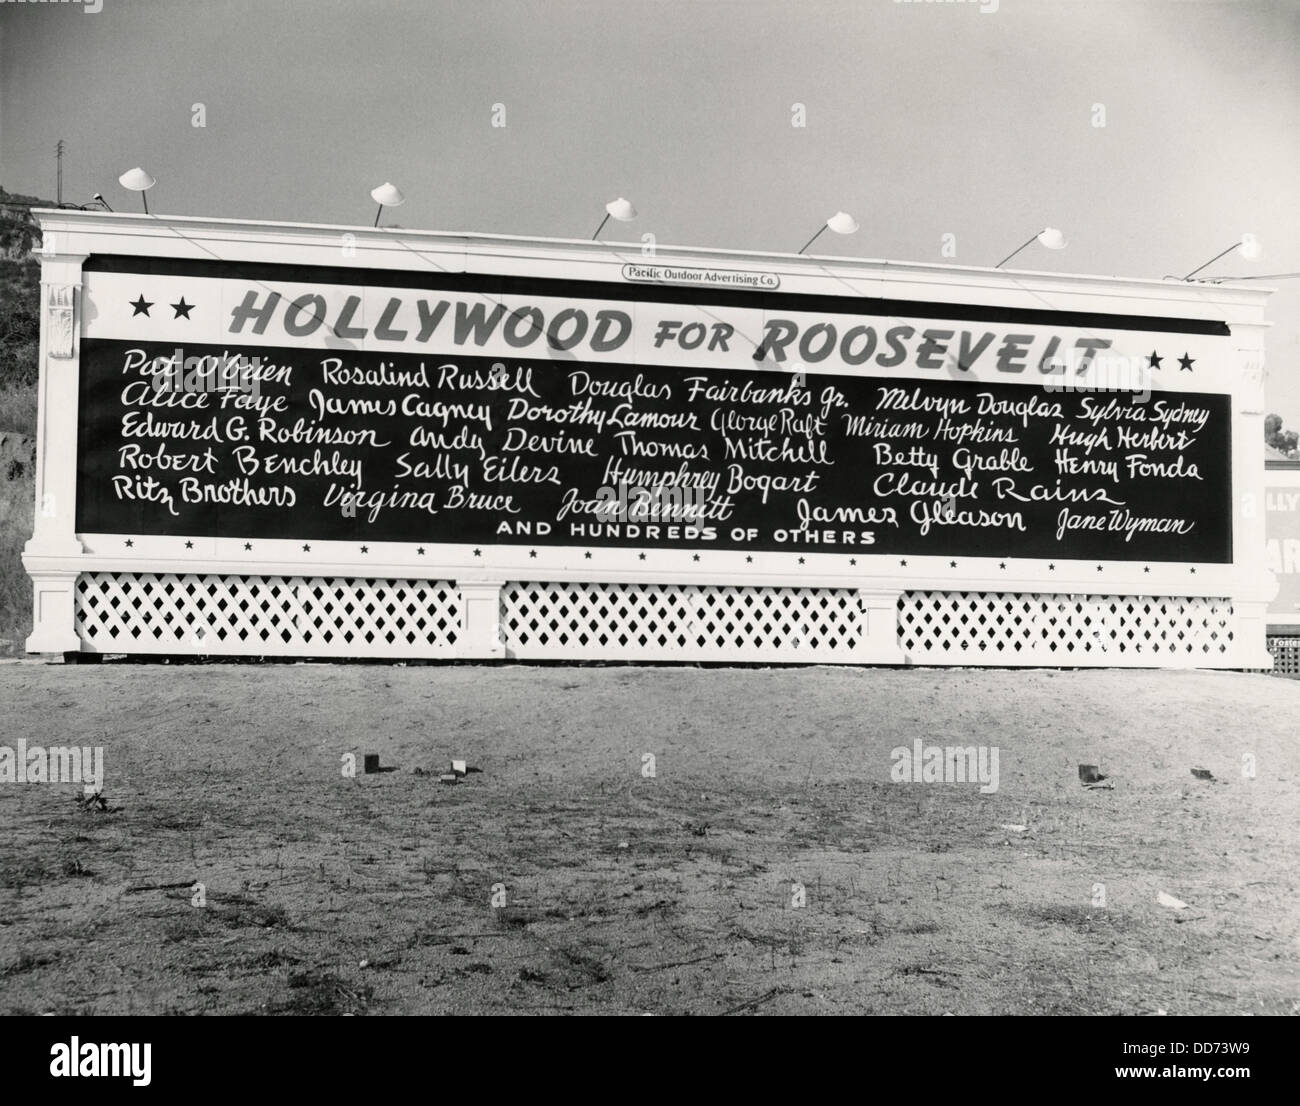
(51, 557)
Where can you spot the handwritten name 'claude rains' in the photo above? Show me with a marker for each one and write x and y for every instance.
(1004, 487)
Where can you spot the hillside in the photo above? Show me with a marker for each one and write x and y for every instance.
(20, 299)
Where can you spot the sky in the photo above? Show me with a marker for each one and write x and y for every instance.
(921, 119)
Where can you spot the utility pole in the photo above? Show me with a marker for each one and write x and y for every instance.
(58, 154)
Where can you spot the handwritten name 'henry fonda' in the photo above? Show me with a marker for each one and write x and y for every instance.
(946, 764)
(58, 764)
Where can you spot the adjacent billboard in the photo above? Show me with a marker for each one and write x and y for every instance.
(1282, 528)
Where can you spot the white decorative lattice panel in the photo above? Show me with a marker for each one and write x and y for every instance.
(224, 615)
(944, 627)
(266, 615)
(680, 622)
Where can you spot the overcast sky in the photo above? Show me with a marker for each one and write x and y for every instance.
(923, 119)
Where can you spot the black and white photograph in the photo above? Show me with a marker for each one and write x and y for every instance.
(650, 508)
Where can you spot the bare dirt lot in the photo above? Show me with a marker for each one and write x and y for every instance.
(631, 894)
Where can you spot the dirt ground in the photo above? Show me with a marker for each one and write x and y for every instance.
(626, 893)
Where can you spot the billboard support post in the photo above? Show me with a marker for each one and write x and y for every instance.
(53, 551)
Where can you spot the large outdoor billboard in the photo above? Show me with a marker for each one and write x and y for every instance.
(333, 404)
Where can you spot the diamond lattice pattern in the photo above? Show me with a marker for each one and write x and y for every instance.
(680, 621)
(937, 627)
(266, 615)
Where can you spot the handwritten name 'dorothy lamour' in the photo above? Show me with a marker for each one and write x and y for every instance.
(587, 414)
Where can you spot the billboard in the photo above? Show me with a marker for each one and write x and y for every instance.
(296, 440)
(267, 402)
